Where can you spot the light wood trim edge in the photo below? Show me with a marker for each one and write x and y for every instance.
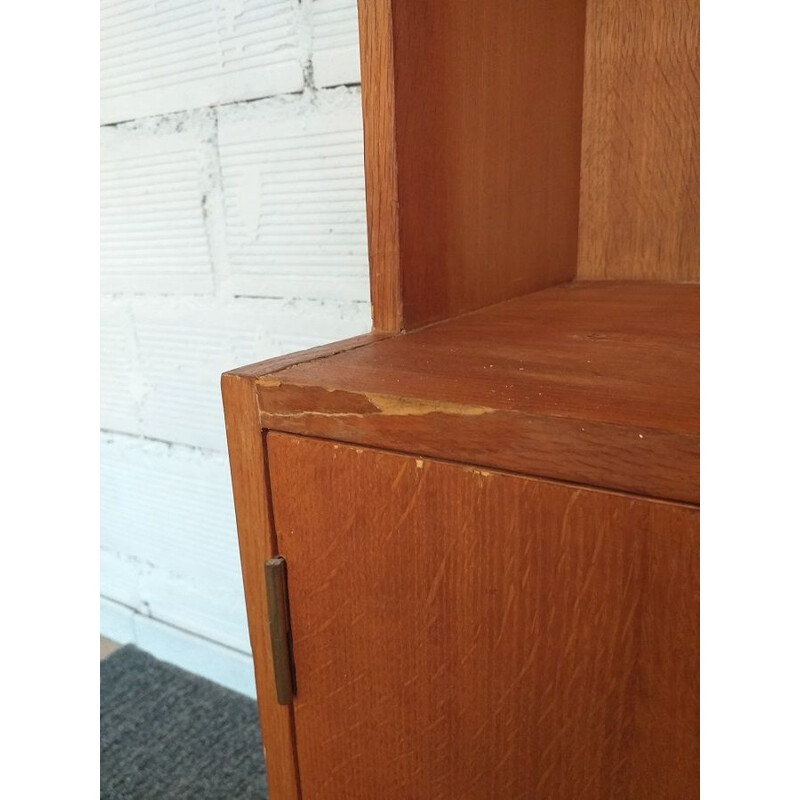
(380, 159)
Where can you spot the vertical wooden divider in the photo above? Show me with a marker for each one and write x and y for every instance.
(380, 160)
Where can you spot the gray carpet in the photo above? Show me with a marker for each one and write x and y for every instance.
(168, 735)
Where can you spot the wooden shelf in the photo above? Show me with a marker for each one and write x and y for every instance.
(592, 383)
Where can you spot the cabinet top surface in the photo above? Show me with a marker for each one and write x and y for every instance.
(625, 353)
(562, 371)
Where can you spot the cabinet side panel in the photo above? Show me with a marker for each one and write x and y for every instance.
(640, 170)
(256, 544)
(471, 634)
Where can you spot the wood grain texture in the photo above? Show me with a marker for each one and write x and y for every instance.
(640, 170)
(472, 136)
(257, 543)
(462, 635)
(380, 159)
(591, 383)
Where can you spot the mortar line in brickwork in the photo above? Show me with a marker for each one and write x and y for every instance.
(305, 90)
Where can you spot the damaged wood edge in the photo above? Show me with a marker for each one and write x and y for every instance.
(358, 404)
(291, 399)
(636, 438)
(643, 461)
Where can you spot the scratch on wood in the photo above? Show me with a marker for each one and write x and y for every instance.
(506, 613)
(410, 505)
(400, 474)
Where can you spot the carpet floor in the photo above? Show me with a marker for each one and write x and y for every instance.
(166, 734)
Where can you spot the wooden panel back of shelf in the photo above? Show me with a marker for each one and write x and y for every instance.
(640, 171)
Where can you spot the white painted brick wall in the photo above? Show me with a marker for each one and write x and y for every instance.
(158, 56)
(335, 42)
(232, 230)
(180, 563)
(293, 177)
(153, 237)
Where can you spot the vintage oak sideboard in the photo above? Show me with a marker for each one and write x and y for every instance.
(470, 539)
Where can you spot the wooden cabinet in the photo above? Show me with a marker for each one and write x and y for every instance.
(467, 633)
(487, 508)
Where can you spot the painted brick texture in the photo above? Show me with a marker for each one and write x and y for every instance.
(232, 230)
(158, 56)
(335, 42)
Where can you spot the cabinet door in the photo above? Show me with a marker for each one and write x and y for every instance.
(464, 634)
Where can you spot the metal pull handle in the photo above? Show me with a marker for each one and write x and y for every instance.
(279, 630)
